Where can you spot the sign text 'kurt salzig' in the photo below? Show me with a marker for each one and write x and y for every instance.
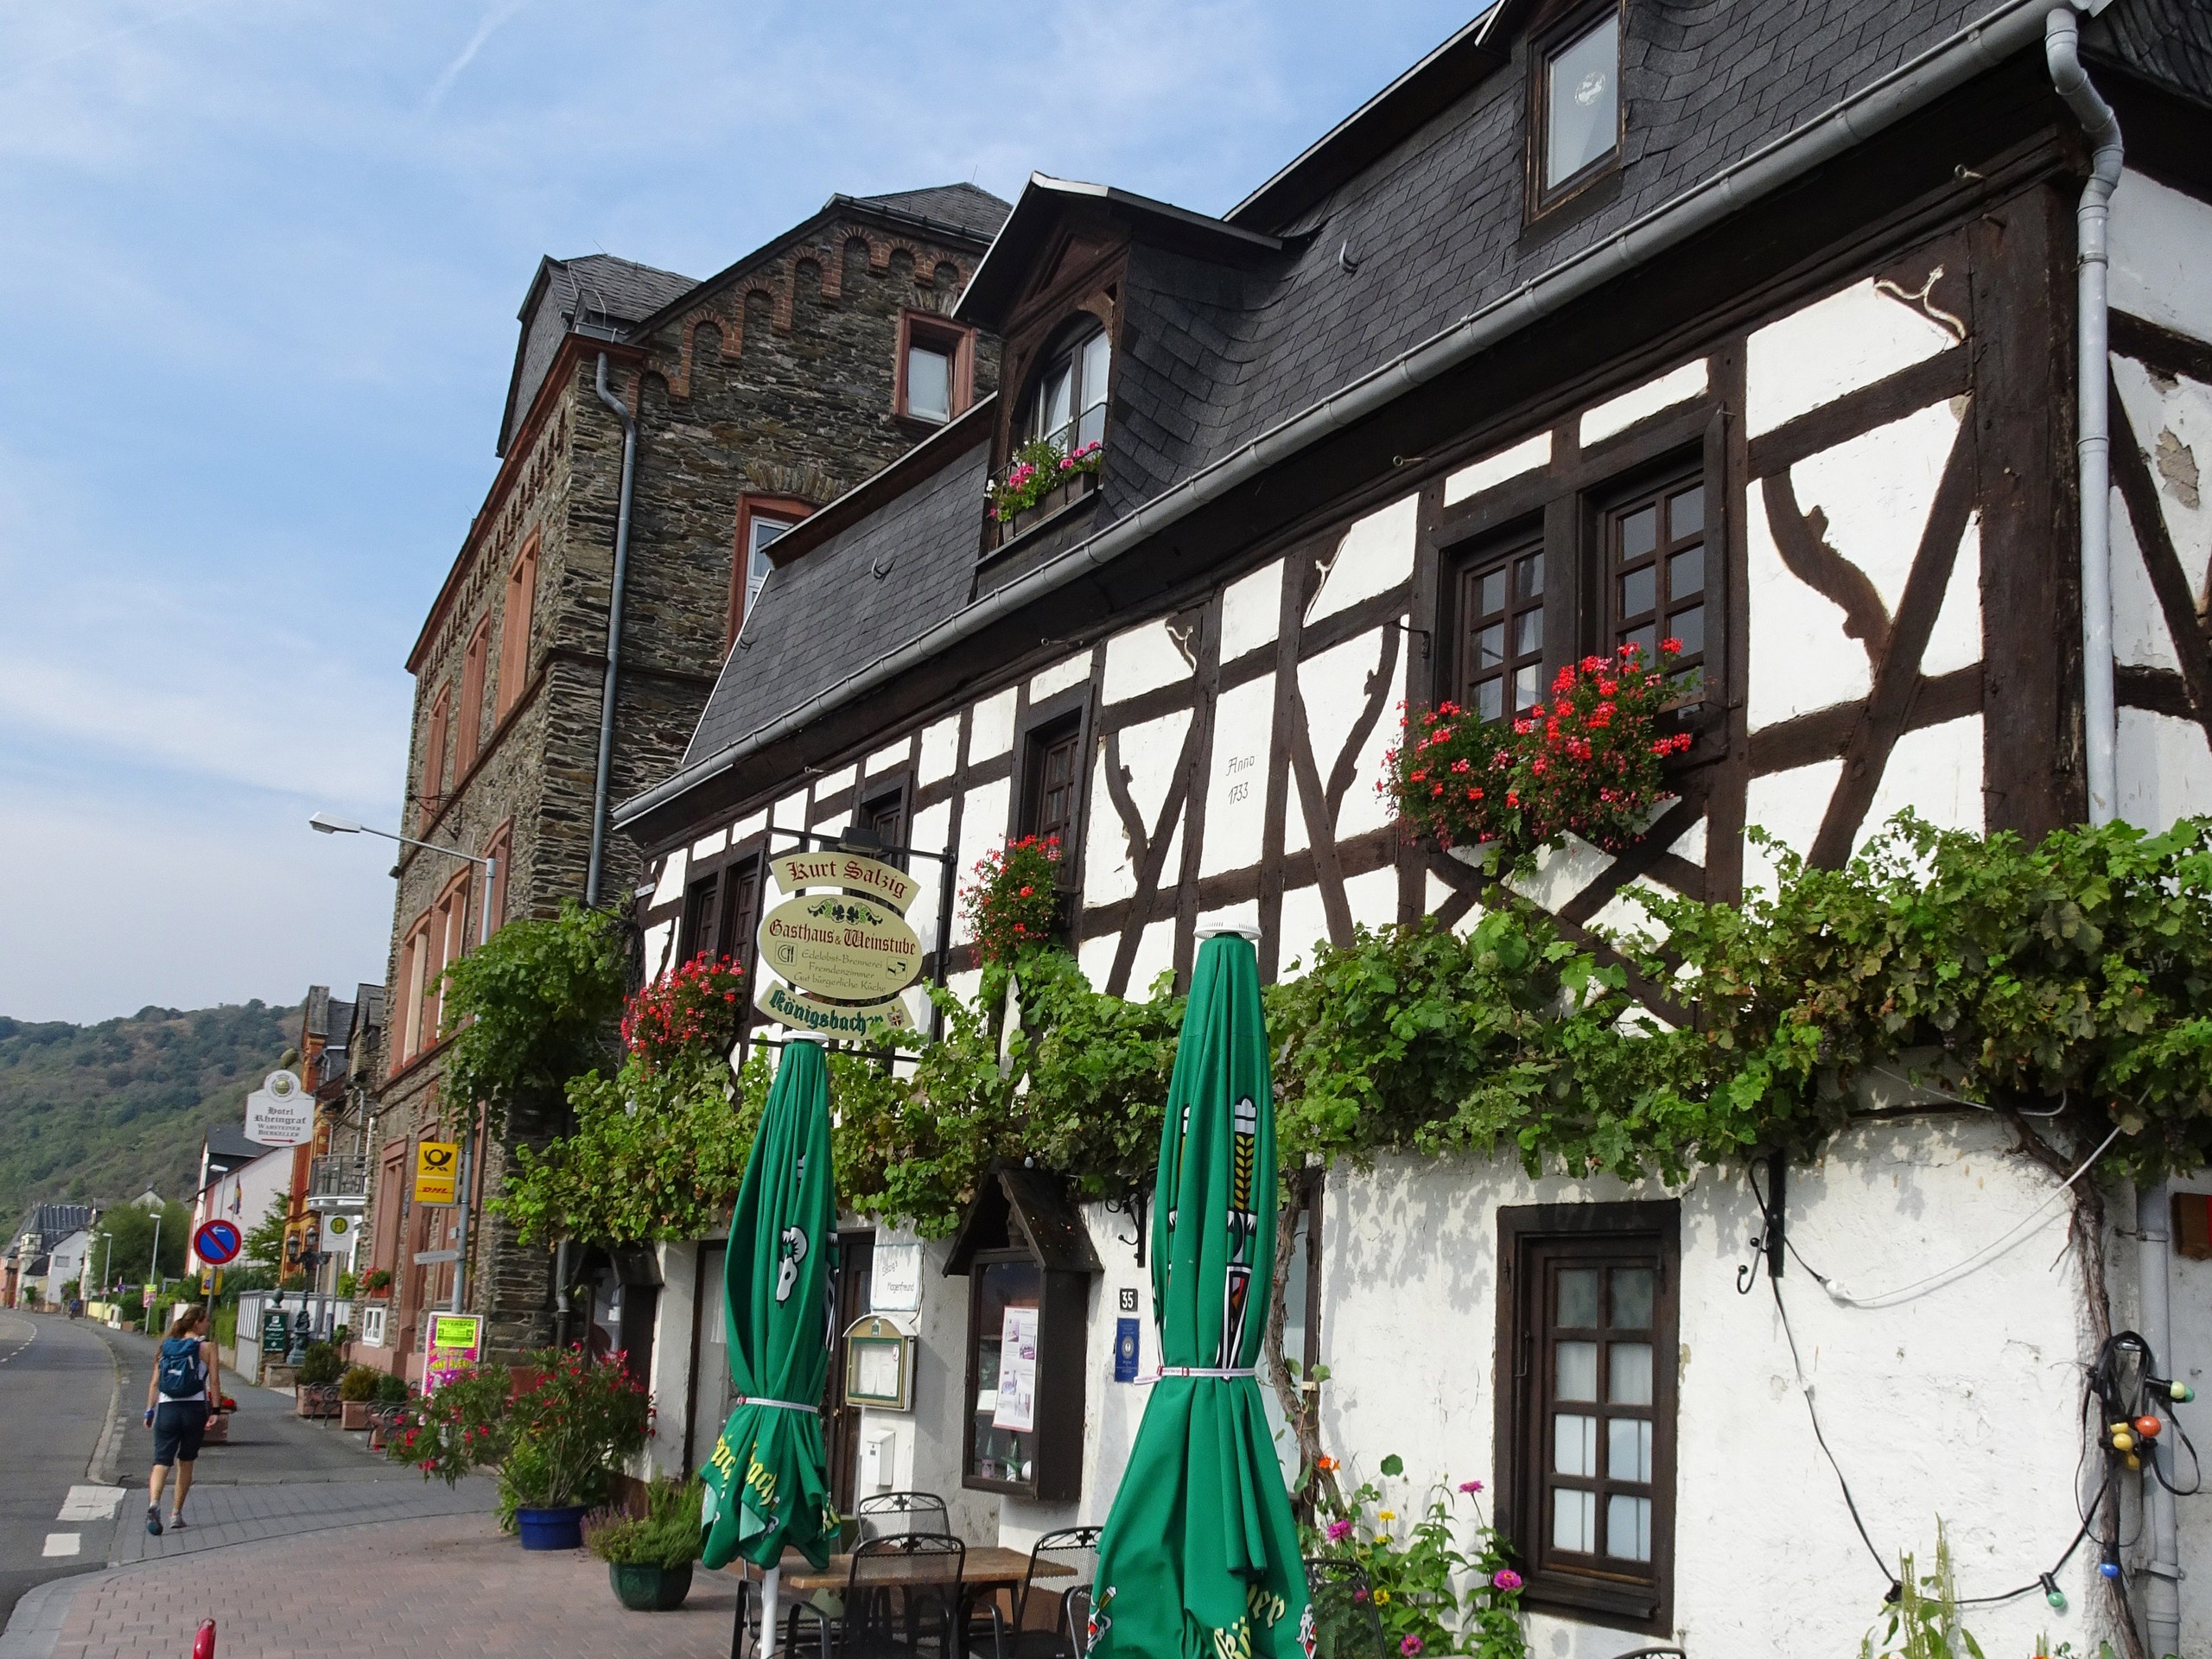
(846, 953)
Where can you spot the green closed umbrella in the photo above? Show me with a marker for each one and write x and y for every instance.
(767, 1482)
(1199, 1556)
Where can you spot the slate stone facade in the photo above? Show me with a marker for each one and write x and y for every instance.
(776, 379)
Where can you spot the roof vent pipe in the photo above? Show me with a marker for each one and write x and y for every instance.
(2093, 435)
(613, 638)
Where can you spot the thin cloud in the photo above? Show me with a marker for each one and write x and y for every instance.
(492, 20)
(26, 71)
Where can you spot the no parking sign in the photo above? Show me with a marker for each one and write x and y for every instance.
(217, 1242)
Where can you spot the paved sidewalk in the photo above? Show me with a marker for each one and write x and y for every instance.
(450, 1585)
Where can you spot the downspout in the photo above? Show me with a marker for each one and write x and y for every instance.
(2093, 443)
(2092, 371)
(613, 638)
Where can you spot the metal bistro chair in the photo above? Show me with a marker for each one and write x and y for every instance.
(1078, 1608)
(888, 1613)
(1345, 1623)
(1034, 1625)
(887, 1515)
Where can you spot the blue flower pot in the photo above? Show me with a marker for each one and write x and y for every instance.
(561, 1528)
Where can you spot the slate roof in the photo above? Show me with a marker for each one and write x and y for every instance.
(593, 289)
(1378, 258)
(51, 1222)
(970, 206)
(884, 579)
(229, 1140)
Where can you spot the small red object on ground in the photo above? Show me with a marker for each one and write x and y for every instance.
(203, 1645)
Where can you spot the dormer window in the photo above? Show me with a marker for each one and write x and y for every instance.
(1577, 122)
(1067, 406)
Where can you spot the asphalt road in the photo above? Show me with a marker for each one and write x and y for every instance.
(56, 1381)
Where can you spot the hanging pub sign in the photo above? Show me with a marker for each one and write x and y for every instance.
(840, 946)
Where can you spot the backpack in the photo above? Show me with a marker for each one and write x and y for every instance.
(182, 1373)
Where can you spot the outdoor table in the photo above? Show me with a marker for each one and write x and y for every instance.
(987, 1568)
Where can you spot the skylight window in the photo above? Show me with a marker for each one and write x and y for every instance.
(1581, 103)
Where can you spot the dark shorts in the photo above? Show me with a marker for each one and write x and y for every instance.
(179, 1426)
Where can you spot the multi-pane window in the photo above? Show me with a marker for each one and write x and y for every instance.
(1656, 570)
(1590, 1318)
(882, 818)
(1068, 404)
(1055, 786)
(1502, 634)
(1579, 105)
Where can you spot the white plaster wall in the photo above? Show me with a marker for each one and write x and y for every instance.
(2190, 1289)
(940, 751)
(1375, 555)
(1961, 1404)
(2161, 248)
(1061, 677)
(1801, 658)
(1251, 611)
(1639, 403)
(932, 826)
(1304, 924)
(1148, 753)
(1787, 805)
(1143, 659)
(2162, 769)
(1236, 790)
(990, 727)
(926, 1442)
(1334, 686)
(1937, 771)
(1817, 353)
(1493, 470)
(670, 1380)
(1373, 897)
(982, 828)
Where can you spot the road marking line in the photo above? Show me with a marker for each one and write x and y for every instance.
(61, 1544)
(91, 1504)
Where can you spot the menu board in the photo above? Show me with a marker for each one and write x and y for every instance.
(1017, 1405)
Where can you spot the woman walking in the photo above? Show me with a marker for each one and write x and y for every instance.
(187, 1377)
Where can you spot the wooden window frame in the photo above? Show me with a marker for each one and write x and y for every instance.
(470, 714)
(870, 795)
(1068, 339)
(518, 622)
(1530, 1235)
(408, 982)
(1659, 486)
(500, 845)
(1042, 725)
(781, 508)
(1063, 1300)
(958, 342)
(1545, 199)
(1564, 506)
(1463, 573)
(429, 796)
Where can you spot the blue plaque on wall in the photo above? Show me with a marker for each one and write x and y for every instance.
(1125, 1350)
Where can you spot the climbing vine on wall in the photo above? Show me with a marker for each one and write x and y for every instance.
(2076, 972)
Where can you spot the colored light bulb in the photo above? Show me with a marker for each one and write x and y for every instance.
(2148, 1427)
(2053, 1594)
(2181, 1392)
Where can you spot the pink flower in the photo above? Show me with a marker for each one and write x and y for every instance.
(1338, 1531)
(1506, 1579)
(1409, 1646)
(1470, 1486)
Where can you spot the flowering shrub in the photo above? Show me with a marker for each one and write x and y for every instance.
(1592, 762)
(1014, 899)
(1039, 468)
(459, 1426)
(375, 1283)
(701, 1002)
(1412, 1562)
(568, 1431)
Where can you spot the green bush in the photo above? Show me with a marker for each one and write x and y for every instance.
(666, 1535)
(360, 1382)
(320, 1365)
(391, 1389)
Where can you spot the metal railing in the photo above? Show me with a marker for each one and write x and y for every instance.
(338, 1180)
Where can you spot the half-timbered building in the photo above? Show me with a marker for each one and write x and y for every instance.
(1752, 326)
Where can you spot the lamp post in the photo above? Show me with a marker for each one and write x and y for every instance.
(154, 1272)
(330, 824)
(107, 1261)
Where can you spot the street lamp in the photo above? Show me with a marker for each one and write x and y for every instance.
(329, 823)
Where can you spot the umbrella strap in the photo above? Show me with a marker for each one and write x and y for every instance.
(1229, 1374)
(780, 1405)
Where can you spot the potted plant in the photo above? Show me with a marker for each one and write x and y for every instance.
(566, 1434)
(217, 1432)
(314, 1389)
(357, 1393)
(1041, 479)
(649, 1556)
(377, 1283)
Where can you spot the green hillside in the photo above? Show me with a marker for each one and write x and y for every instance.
(100, 1112)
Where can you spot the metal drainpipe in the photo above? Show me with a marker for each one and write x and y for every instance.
(2061, 51)
(613, 638)
(2092, 439)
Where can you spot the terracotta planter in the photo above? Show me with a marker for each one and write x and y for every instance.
(217, 1432)
(354, 1413)
(315, 1399)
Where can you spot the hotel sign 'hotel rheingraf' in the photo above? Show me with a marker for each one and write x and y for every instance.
(841, 945)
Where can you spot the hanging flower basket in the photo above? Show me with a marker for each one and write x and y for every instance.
(701, 1002)
(1591, 763)
(1014, 899)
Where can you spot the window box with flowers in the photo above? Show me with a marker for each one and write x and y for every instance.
(1591, 764)
(703, 1002)
(1041, 481)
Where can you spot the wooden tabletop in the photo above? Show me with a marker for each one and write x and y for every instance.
(986, 1565)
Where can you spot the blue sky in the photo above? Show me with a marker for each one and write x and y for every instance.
(262, 265)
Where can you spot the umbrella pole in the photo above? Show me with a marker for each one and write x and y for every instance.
(772, 1581)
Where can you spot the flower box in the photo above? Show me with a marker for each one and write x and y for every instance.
(355, 1413)
(217, 1432)
(315, 1399)
(1063, 495)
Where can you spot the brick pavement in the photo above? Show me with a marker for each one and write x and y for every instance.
(448, 1585)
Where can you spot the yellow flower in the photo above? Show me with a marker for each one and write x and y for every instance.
(1382, 1537)
(1382, 1596)
(1386, 1514)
